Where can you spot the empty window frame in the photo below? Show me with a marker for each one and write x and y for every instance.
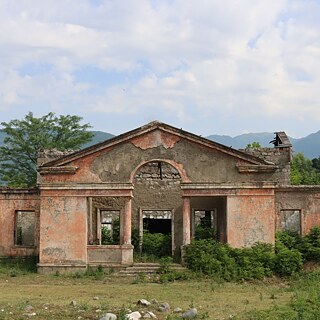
(291, 220)
(204, 224)
(24, 231)
(110, 226)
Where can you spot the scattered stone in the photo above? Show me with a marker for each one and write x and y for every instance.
(30, 314)
(98, 310)
(154, 301)
(190, 314)
(109, 316)
(95, 298)
(143, 302)
(177, 310)
(46, 306)
(150, 315)
(164, 307)
(73, 303)
(29, 308)
(136, 315)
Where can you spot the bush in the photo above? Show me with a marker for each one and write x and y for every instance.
(288, 239)
(156, 244)
(219, 260)
(211, 258)
(288, 262)
(308, 246)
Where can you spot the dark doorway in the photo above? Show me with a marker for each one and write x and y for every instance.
(157, 225)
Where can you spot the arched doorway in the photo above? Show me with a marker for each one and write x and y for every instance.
(157, 208)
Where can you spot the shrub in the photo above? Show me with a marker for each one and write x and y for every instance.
(288, 239)
(211, 258)
(157, 244)
(310, 245)
(288, 262)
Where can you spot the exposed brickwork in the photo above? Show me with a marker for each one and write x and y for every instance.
(280, 156)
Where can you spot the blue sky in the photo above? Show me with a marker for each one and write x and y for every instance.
(207, 66)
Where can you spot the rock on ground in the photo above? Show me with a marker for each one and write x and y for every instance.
(164, 307)
(109, 316)
(136, 315)
(143, 302)
(190, 314)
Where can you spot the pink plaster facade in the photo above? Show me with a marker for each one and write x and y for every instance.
(247, 193)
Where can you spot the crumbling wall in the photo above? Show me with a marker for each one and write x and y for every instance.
(305, 199)
(47, 155)
(63, 229)
(195, 162)
(11, 201)
(104, 203)
(280, 156)
(250, 217)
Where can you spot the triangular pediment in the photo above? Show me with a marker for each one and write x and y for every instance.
(156, 134)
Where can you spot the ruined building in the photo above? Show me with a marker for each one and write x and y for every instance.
(158, 177)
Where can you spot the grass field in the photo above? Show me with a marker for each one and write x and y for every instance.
(50, 296)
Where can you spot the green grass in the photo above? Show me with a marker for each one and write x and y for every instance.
(50, 295)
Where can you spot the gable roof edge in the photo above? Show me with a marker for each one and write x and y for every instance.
(151, 127)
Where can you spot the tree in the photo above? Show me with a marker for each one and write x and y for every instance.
(303, 171)
(316, 164)
(24, 139)
(253, 146)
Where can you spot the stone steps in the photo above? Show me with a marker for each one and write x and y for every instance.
(147, 268)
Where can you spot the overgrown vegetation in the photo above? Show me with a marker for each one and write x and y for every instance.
(218, 260)
(154, 246)
(18, 266)
(109, 237)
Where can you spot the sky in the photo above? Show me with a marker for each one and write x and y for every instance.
(207, 66)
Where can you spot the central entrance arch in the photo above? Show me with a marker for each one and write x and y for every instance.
(157, 207)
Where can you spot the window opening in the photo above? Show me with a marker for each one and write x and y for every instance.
(205, 224)
(110, 227)
(24, 228)
(291, 220)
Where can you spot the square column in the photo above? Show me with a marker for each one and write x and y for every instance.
(186, 237)
(125, 228)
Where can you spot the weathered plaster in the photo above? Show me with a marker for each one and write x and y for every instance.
(10, 202)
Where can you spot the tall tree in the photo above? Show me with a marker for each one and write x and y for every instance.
(303, 171)
(24, 139)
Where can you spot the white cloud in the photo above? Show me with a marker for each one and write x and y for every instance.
(187, 59)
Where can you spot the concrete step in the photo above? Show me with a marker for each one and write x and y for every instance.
(148, 268)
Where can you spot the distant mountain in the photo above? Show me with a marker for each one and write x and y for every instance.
(309, 145)
(99, 136)
(242, 140)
